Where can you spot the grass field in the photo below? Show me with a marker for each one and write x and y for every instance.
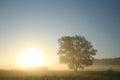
(59, 75)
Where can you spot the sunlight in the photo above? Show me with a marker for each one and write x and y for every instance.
(32, 58)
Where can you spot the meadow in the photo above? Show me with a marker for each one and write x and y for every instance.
(59, 75)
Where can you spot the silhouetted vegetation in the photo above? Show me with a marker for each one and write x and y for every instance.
(107, 61)
(59, 75)
(76, 51)
(110, 70)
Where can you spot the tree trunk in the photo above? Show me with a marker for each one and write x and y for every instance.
(75, 68)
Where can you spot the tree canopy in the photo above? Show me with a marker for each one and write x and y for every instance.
(76, 52)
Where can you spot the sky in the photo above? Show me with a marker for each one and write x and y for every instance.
(40, 23)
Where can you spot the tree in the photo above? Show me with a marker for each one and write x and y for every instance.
(76, 52)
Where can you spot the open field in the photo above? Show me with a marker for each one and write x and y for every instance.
(59, 75)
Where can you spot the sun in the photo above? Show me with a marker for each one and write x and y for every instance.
(32, 58)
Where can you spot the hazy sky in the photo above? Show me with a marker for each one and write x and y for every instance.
(39, 23)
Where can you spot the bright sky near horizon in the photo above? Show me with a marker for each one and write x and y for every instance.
(39, 23)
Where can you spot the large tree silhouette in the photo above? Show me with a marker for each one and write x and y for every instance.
(76, 51)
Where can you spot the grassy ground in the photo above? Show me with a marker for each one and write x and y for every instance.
(59, 75)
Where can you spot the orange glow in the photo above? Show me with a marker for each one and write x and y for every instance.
(32, 58)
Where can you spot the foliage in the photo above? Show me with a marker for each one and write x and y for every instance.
(75, 51)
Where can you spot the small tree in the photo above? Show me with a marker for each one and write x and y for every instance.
(75, 51)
